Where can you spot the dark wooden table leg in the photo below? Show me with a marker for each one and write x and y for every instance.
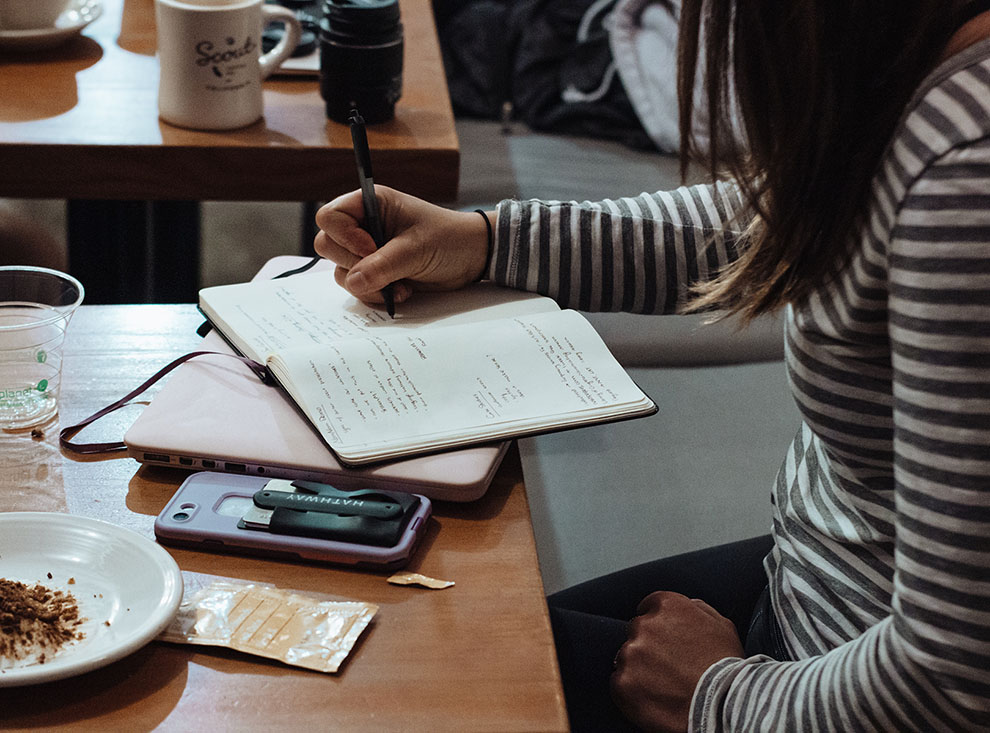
(175, 248)
(135, 251)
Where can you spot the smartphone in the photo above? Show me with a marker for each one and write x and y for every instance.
(207, 512)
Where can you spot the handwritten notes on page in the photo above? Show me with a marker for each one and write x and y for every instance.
(440, 388)
(262, 317)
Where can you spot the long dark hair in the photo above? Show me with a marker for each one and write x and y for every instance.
(819, 86)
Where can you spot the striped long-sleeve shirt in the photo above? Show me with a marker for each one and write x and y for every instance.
(880, 574)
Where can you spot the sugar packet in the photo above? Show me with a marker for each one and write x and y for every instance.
(290, 626)
(419, 579)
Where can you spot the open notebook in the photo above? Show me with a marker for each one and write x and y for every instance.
(450, 370)
(214, 414)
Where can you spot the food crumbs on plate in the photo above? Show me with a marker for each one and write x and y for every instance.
(35, 621)
(49, 576)
(37, 433)
(72, 581)
(106, 623)
(418, 579)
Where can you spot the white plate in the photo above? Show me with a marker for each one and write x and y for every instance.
(119, 577)
(77, 16)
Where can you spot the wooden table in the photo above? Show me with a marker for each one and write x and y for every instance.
(477, 656)
(80, 122)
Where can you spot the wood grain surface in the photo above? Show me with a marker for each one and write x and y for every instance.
(477, 656)
(80, 121)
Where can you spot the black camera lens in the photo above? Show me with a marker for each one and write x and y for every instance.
(271, 36)
(308, 13)
(361, 58)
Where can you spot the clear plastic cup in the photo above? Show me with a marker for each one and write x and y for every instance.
(35, 307)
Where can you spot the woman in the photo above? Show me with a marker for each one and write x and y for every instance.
(860, 204)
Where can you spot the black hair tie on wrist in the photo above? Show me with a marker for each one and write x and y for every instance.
(491, 241)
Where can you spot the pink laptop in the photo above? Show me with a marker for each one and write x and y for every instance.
(214, 414)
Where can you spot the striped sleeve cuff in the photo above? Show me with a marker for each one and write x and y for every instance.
(713, 691)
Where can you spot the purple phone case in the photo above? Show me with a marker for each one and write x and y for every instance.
(199, 526)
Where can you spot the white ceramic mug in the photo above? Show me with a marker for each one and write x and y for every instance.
(211, 61)
(30, 14)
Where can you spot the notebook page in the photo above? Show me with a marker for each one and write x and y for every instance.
(262, 317)
(442, 387)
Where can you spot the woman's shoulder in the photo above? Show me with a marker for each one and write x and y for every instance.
(950, 110)
(954, 100)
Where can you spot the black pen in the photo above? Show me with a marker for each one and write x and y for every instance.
(372, 220)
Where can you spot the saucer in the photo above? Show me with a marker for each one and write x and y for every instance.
(77, 16)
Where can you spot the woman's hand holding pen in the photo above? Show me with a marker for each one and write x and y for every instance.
(427, 247)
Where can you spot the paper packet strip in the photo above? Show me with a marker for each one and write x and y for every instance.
(418, 579)
(270, 622)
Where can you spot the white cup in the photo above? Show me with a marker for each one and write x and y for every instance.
(22, 15)
(211, 61)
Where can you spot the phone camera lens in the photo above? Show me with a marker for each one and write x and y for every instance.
(180, 516)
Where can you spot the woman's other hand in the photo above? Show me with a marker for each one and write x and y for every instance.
(426, 247)
(671, 644)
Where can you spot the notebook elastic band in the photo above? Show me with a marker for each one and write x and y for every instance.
(89, 448)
